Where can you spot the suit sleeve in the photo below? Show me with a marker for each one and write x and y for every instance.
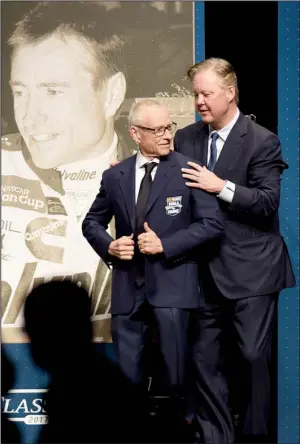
(207, 224)
(96, 222)
(262, 195)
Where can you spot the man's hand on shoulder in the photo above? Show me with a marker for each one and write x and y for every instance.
(149, 242)
(202, 178)
(122, 248)
(113, 163)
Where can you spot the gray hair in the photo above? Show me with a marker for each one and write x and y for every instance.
(135, 116)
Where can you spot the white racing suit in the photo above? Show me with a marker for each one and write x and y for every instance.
(41, 235)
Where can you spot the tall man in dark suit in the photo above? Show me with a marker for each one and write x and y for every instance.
(239, 162)
(159, 229)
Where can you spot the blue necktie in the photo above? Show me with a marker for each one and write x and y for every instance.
(213, 151)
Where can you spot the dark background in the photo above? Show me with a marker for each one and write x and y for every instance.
(246, 34)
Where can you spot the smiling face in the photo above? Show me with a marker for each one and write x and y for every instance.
(214, 101)
(58, 111)
(152, 117)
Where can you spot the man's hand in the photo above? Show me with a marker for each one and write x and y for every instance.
(203, 178)
(148, 242)
(122, 248)
(113, 163)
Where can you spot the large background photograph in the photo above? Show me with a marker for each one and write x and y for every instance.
(70, 73)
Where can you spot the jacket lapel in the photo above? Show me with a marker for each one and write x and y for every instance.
(127, 185)
(162, 177)
(201, 144)
(234, 141)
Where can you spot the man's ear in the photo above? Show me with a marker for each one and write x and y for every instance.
(231, 93)
(134, 134)
(115, 94)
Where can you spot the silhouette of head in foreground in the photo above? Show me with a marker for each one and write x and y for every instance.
(88, 398)
(57, 320)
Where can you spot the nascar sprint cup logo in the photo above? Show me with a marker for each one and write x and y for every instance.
(22, 193)
(27, 406)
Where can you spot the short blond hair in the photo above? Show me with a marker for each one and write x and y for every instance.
(222, 68)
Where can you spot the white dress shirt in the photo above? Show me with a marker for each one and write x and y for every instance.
(140, 171)
(228, 191)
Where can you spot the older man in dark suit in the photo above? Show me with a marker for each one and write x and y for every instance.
(239, 162)
(160, 229)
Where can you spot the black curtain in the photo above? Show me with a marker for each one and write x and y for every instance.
(245, 33)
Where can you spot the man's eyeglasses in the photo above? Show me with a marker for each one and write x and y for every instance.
(158, 132)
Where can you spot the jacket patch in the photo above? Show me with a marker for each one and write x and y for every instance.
(173, 205)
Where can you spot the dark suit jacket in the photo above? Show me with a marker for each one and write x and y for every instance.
(183, 223)
(253, 258)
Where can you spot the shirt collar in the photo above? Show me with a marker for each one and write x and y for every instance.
(224, 132)
(142, 160)
(52, 177)
(102, 159)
